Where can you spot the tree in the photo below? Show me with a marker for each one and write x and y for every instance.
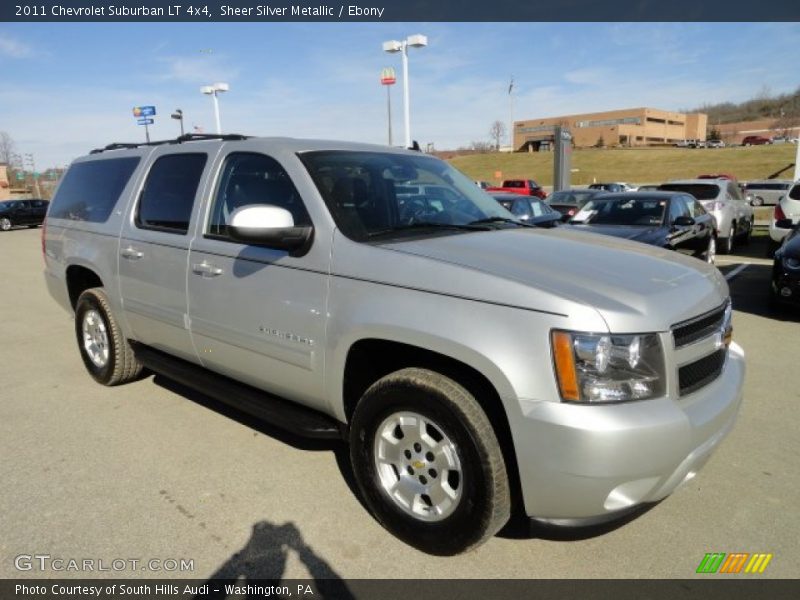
(497, 131)
(7, 148)
(714, 133)
(600, 143)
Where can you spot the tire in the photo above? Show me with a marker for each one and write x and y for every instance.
(727, 243)
(106, 353)
(5, 224)
(711, 251)
(436, 513)
(772, 246)
(745, 237)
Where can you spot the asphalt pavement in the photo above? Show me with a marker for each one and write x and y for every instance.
(152, 472)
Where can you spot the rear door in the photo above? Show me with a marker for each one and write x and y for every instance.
(154, 248)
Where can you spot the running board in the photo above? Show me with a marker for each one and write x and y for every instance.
(281, 413)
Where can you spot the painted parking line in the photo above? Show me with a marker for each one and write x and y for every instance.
(727, 262)
(731, 274)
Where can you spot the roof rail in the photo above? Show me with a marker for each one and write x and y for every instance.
(196, 137)
(189, 137)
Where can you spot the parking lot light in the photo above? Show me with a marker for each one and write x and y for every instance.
(393, 46)
(214, 90)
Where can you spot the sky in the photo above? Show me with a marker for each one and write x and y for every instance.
(67, 88)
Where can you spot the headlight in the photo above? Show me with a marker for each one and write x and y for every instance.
(606, 367)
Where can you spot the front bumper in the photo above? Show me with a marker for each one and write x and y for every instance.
(580, 462)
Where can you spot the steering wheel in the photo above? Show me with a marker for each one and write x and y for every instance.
(416, 211)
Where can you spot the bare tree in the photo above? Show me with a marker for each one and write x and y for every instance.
(497, 131)
(7, 148)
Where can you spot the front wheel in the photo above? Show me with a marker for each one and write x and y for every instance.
(106, 353)
(428, 463)
(5, 224)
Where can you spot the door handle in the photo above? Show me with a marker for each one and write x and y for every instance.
(206, 269)
(131, 253)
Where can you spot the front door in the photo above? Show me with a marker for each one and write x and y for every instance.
(258, 314)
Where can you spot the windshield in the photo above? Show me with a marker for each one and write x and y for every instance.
(575, 197)
(701, 191)
(372, 194)
(622, 211)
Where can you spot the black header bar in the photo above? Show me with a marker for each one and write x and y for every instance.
(207, 11)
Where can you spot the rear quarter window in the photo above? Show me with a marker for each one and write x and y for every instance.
(91, 189)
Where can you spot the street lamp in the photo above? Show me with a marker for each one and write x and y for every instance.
(178, 114)
(214, 90)
(392, 46)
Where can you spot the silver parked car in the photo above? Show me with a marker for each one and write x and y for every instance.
(474, 363)
(724, 199)
(767, 192)
(785, 216)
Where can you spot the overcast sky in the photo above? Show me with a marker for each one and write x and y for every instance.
(68, 88)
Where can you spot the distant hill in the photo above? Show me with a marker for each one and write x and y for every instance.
(785, 107)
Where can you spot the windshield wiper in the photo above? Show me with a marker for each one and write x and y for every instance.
(429, 225)
(502, 220)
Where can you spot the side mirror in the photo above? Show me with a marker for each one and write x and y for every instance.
(270, 226)
(784, 224)
(683, 221)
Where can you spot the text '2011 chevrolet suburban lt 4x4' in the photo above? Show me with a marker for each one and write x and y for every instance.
(473, 362)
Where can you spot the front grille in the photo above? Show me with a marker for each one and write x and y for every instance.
(686, 332)
(695, 375)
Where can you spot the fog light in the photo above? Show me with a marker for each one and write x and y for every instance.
(786, 292)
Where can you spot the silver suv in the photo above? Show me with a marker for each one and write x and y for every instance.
(474, 363)
(724, 199)
(767, 192)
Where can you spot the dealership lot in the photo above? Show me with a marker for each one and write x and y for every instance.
(150, 471)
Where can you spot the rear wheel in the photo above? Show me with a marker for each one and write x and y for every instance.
(711, 251)
(727, 243)
(428, 463)
(106, 353)
(5, 224)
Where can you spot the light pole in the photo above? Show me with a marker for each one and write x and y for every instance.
(214, 90)
(392, 46)
(178, 114)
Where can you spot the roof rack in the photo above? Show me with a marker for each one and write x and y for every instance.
(196, 137)
(188, 137)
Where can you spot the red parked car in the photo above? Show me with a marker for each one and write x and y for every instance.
(755, 140)
(526, 187)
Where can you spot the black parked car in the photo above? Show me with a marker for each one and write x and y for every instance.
(666, 219)
(785, 285)
(528, 208)
(22, 212)
(569, 202)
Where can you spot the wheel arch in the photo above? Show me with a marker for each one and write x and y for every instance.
(80, 278)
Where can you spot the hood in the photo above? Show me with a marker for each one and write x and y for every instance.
(634, 287)
(637, 233)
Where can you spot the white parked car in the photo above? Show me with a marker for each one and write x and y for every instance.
(785, 215)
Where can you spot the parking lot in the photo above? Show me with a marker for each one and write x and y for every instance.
(151, 471)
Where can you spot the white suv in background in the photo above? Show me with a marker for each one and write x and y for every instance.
(724, 199)
(785, 216)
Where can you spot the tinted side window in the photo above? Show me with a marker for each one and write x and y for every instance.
(794, 193)
(677, 208)
(168, 195)
(249, 178)
(90, 190)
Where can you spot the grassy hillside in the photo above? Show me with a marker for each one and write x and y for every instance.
(646, 165)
